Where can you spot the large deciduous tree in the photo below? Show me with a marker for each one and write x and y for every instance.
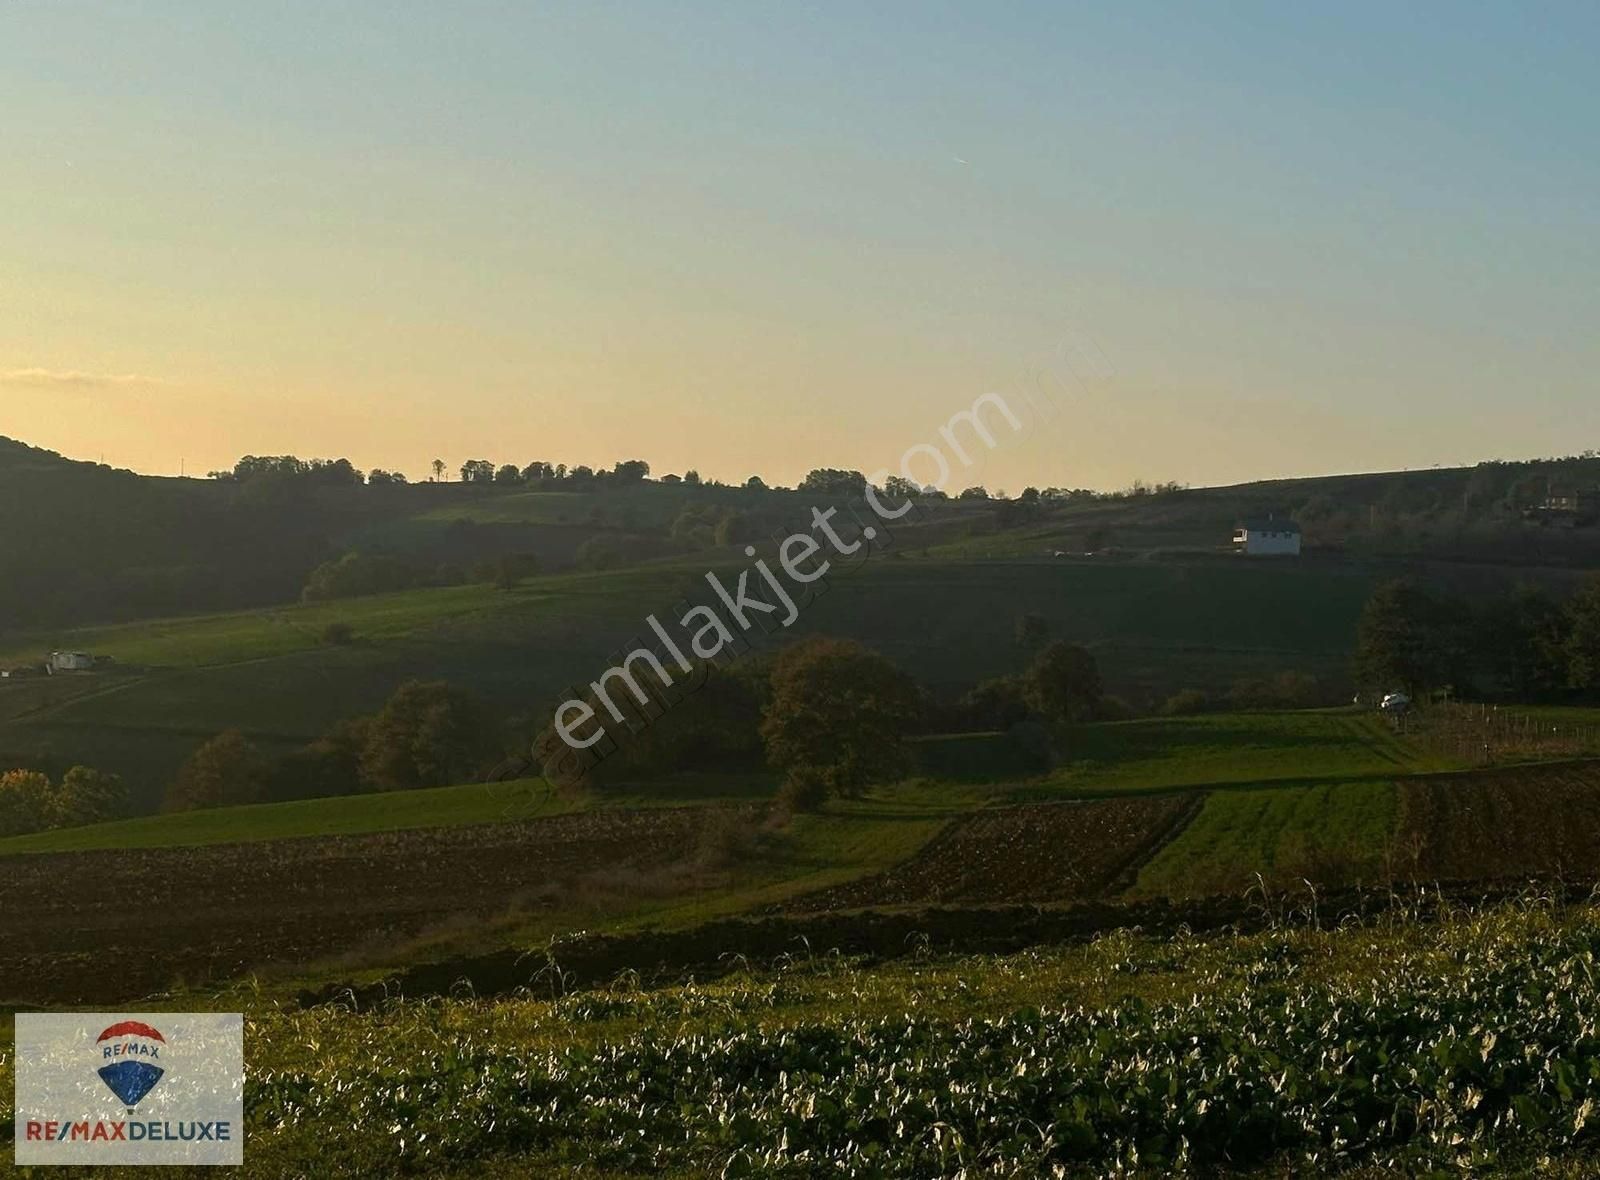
(428, 734)
(225, 771)
(838, 715)
(1063, 685)
(1410, 638)
(88, 796)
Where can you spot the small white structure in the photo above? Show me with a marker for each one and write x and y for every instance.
(70, 661)
(1267, 538)
(1395, 702)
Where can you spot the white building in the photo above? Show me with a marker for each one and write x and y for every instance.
(70, 661)
(1267, 538)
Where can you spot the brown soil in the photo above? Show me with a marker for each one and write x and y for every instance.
(103, 927)
(1043, 852)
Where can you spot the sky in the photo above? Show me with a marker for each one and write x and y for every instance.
(756, 238)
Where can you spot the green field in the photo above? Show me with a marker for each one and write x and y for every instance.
(439, 807)
(1228, 748)
(392, 811)
(1284, 835)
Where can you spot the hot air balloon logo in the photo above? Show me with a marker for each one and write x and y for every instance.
(130, 1054)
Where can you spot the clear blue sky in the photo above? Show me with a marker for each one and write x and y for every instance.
(756, 238)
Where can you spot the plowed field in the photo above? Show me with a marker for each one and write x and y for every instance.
(1523, 822)
(100, 927)
(1035, 853)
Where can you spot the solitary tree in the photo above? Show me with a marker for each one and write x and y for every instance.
(1409, 638)
(438, 470)
(837, 716)
(1063, 685)
(87, 796)
(428, 734)
(899, 489)
(225, 771)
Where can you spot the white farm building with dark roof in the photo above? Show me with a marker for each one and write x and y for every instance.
(1267, 538)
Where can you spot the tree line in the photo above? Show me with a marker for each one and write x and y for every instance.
(1525, 644)
(427, 734)
(831, 714)
(543, 475)
(835, 717)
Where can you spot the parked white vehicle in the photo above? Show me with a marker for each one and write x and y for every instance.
(1395, 702)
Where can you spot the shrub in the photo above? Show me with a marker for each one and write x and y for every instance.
(1185, 703)
(26, 805)
(803, 790)
(993, 704)
(338, 634)
(356, 574)
(600, 553)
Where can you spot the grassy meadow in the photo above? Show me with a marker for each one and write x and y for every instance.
(1224, 748)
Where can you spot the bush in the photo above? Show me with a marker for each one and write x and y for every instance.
(1114, 708)
(338, 634)
(600, 553)
(803, 791)
(357, 574)
(993, 704)
(29, 803)
(26, 805)
(1186, 703)
(1284, 690)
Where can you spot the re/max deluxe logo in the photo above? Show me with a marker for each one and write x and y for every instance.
(100, 1131)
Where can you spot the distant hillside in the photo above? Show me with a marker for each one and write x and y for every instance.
(83, 543)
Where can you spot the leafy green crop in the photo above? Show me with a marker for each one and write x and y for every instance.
(1487, 1044)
